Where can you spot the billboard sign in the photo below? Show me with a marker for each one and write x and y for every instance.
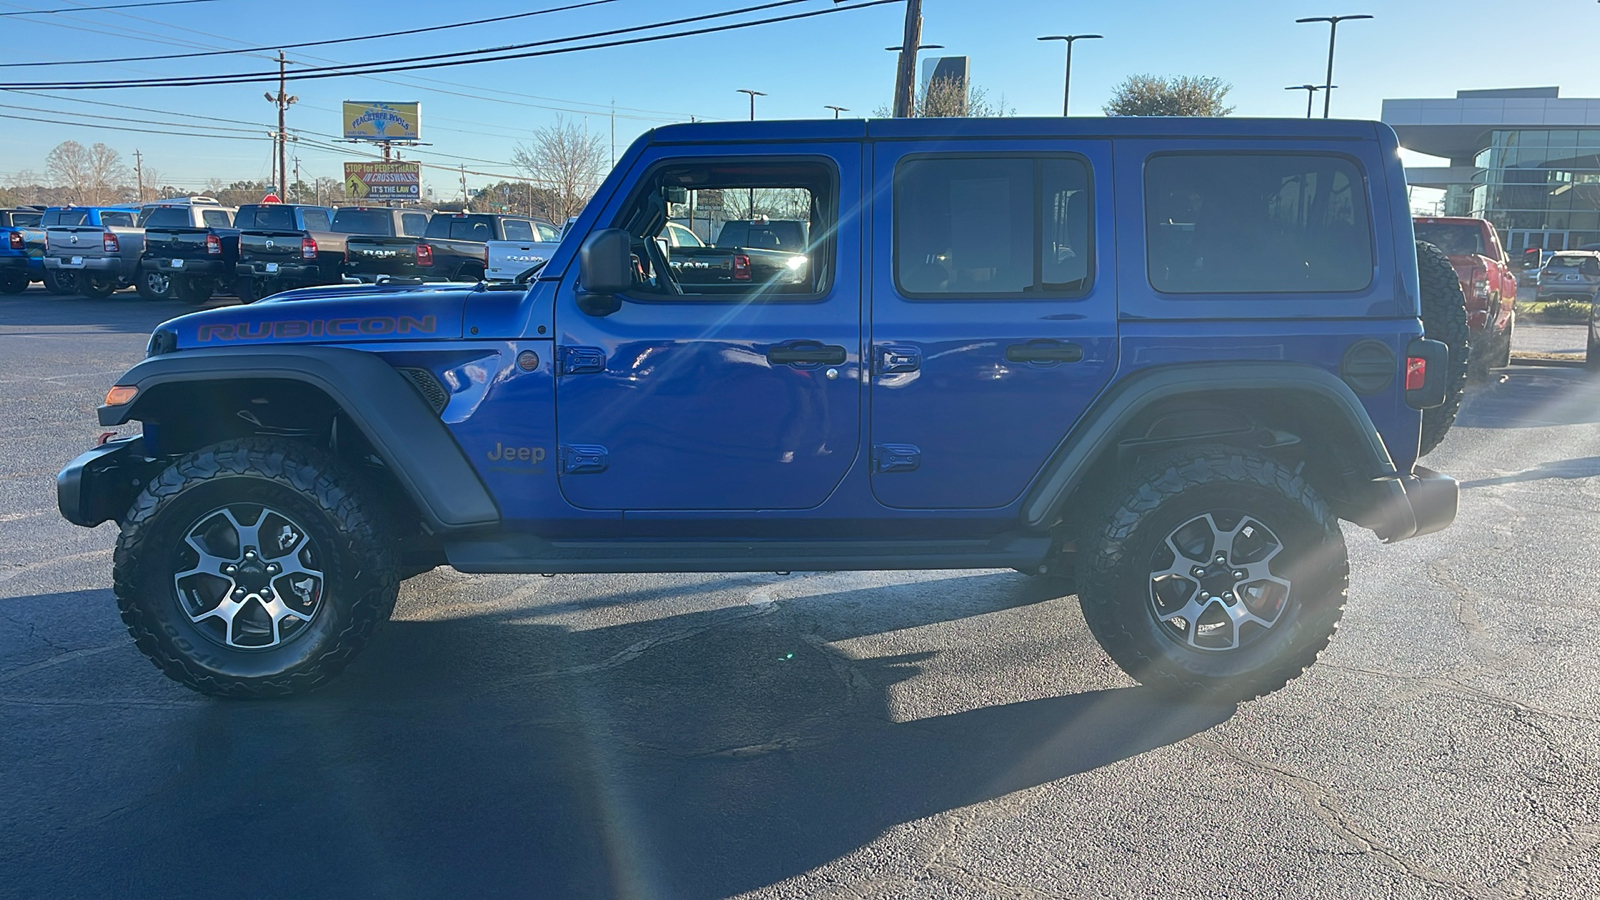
(383, 181)
(372, 121)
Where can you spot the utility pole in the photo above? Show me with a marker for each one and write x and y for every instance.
(905, 85)
(1333, 34)
(283, 101)
(1066, 88)
(613, 132)
(296, 180)
(911, 101)
(138, 169)
(464, 186)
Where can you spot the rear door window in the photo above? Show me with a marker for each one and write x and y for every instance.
(1256, 223)
(216, 218)
(992, 227)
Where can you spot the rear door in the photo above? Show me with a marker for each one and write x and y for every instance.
(993, 313)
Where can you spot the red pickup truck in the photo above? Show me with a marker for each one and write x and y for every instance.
(1487, 280)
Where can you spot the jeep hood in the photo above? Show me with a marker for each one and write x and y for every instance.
(339, 314)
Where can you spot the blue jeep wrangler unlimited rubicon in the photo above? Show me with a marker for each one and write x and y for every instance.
(1163, 357)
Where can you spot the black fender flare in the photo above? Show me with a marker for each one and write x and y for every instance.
(407, 434)
(1099, 431)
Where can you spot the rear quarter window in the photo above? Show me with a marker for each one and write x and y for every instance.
(1256, 223)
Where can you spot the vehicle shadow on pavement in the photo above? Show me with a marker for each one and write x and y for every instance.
(701, 755)
(1533, 397)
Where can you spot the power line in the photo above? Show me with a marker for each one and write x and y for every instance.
(321, 43)
(444, 60)
(76, 9)
(225, 137)
(61, 112)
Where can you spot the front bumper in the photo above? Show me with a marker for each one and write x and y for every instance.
(1409, 506)
(215, 268)
(99, 486)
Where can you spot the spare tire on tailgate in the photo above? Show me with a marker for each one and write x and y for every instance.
(1444, 319)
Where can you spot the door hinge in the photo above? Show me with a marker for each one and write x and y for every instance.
(896, 458)
(584, 459)
(581, 360)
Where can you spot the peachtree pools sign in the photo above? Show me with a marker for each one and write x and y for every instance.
(371, 121)
(382, 180)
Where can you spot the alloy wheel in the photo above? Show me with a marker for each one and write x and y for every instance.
(1212, 586)
(249, 577)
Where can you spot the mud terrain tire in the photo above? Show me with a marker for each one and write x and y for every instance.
(1444, 319)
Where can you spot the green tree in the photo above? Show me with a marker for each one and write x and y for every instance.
(1184, 95)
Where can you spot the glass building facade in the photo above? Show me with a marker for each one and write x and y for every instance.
(1540, 187)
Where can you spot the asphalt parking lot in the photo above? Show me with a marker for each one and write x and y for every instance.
(886, 735)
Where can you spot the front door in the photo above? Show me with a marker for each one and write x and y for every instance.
(729, 378)
(993, 314)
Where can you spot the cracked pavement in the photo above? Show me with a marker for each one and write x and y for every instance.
(815, 735)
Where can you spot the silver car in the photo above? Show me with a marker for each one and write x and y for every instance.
(1570, 275)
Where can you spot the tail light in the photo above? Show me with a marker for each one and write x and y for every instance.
(308, 248)
(1480, 284)
(109, 243)
(741, 267)
(16, 241)
(213, 245)
(1416, 373)
(425, 255)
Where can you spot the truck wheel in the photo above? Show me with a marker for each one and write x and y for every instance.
(1215, 571)
(1444, 319)
(153, 285)
(13, 282)
(247, 290)
(60, 283)
(254, 568)
(96, 288)
(1503, 359)
(470, 273)
(194, 290)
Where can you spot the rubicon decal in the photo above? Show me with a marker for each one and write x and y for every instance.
(298, 328)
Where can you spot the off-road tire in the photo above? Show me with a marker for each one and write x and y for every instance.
(1118, 546)
(13, 282)
(194, 289)
(1444, 319)
(60, 283)
(1503, 359)
(336, 510)
(144, 284)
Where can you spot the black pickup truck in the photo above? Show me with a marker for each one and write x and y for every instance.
(285, 246)
(189, 253)
(454, 248)
(768, 253)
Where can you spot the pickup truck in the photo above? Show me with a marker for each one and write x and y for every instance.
(512, 258)
(1090, 389)
(21, 248)
(189, 252)
(453, 248)
(730, 263)
(1487, 279)
(283, 246)
(91, 250)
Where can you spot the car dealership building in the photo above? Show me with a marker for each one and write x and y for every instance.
(1526, 159)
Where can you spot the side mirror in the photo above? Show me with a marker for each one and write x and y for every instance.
(605, 262)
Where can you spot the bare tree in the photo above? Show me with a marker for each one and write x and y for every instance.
(567, 161)
(952, 98)
(92, 175)
(1185, 95)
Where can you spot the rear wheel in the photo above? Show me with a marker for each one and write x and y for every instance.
(13, 282)
(254, 568)
(193, 289)
(97, 287)
(1503, 359)
(1215, 571)
(470, 273)
(60, 282)
(153, 285)
(1444, 319)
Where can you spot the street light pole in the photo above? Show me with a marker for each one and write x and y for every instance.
(1311, 91)
(1333, 34)
(753, 96)
(837, 109)
(1069, 39)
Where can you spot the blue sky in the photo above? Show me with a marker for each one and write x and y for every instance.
(1413, 49)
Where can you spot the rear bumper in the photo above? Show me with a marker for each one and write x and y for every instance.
(1408, 506)
(100, 484)
(214, 267)
(288, 271)
(98, 265)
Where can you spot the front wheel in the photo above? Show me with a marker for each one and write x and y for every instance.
(1215, 571)
(254, 568)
